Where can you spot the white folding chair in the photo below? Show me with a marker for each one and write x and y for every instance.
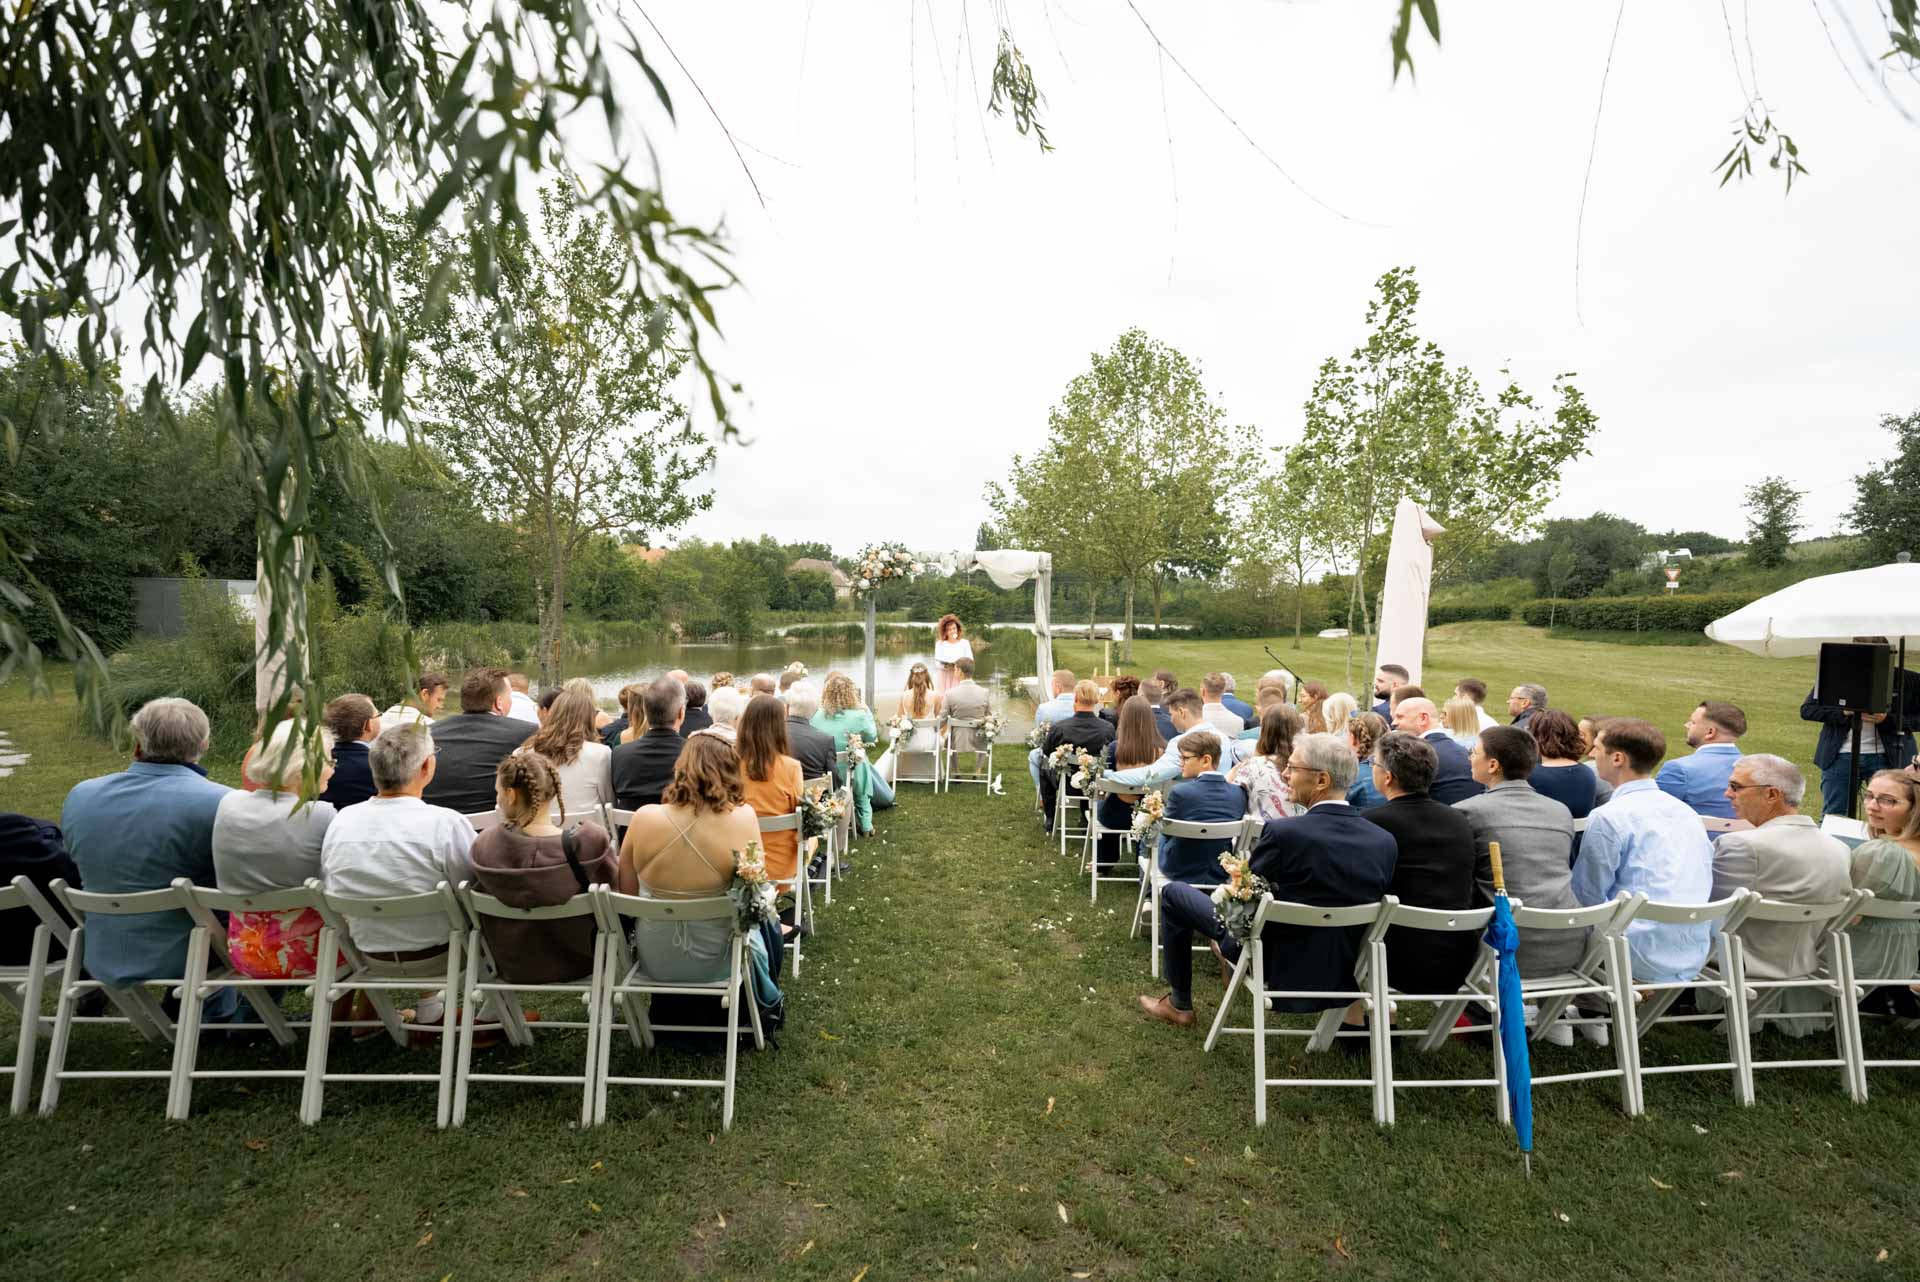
(1250, 976)
(927, 771)
(1146, 909)
(982, 754)
(1479, 985)
(1872, 908)
(845, 761)
(628, 984)
(1098, 791)
(1066, 801)
(379, 979)
(618, 821)
(24, 986)
(484, 820)
(1723, 917)
(188, 987)
(485, 983)
(800, 886)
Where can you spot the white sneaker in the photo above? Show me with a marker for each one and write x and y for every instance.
(1559, 1033)
(1596, 1033)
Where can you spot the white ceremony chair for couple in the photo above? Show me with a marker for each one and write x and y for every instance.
(950, 753)
(628, 985)
(1152, 881)
(925, 766)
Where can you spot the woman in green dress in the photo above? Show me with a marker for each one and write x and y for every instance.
(1888, 864)
(841, 714)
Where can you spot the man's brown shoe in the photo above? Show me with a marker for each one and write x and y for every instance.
(1163, 1009)
(1226, 967)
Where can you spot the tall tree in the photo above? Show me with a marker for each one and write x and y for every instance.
(1286, 525)
(1773, 517)
(562, 420)
(1884, 510)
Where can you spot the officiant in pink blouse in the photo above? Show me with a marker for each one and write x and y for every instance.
(950, 645)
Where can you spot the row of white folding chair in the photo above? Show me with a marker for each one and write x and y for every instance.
(23, 986)
(1868, 907)
(1242, 832)
(950, 773)
(831, 850)
(799, 885)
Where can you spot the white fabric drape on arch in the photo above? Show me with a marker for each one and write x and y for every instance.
(1403, 609)
(1007, 569)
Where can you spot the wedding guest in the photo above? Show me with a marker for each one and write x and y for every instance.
(795, 671)
(1156, 695)
(949, 647)
(771, 778)
(1713, 732)
(1202, 796)
(921, 702)
(539, 855)
(1329, 856)
(1409, 691)
(1562, 773)
(1313, 698)
(682, 676)
(268, 840)
(721, 680)
(429, 695)
(1888, 864)
(296, 705)
(1460, 720)
(1168, 683)
(842, 714)
(1434, 867)
(1453, 780)
(761, 683)
(1184, 708)
(1136, 743)
(140, 828)
(1213, 687)
(1476, 689)
(1389, 677)
(1526, 700)
(1280, 677)
(1587, 726)
(523, 705)
(34, 849)
(698, 717)
(470, 747)
(1783, 857)
(546, 702)
(583, 764)
(642, 767)
(1238, 706)
(968, 700)
(398, 843)
(1264, 773)
(631, 722)
(1644, 841)
(1085, 730)
(1535, 833)
(1124, 687)
(1059, 707)
(1882, 743)
(1337, 712)
(724, 708)
(1363, 732)
(354, 723)
(1268, 694)
(811, 748)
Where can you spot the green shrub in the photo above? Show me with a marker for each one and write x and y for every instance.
(973, 606)
(209, 662)
(1466, 612)
(1634, 613)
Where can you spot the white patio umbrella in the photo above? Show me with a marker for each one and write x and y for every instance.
(1793, 622)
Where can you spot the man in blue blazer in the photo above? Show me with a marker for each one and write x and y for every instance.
(1204, 797)
(1330, 856)
(1453, 780)
(354, 723)
(1700, 778)
(1238, 706)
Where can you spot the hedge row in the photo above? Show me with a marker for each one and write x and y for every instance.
(1469, 612)
(1635, 613)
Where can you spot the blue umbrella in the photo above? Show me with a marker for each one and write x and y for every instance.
(1504, 938)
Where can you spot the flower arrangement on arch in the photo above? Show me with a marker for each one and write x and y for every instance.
(752, 893)
(878, 563)
(1237, 899)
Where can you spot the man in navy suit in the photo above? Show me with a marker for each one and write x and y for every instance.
(1330, 856)
(1453, 779)
(355, 724)
(1157, 700)
(1389, 678)
(1238, 706)
(1205, 797)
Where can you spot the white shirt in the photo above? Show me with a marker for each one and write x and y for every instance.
(524, 708)
(586, 782)
(261, 844)
(1222, 718)
(403, 714)
(388, 846)
(1486, 722)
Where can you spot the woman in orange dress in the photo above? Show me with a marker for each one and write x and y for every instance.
(772, 779)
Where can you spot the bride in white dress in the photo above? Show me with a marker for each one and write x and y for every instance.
(913, 753)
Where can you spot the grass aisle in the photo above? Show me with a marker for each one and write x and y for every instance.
(963, 1089)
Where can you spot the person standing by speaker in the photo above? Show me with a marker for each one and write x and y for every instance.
(1883, 745)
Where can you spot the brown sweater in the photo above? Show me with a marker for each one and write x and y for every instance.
(532, 872)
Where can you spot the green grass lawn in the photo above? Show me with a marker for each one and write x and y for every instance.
(964, 1089)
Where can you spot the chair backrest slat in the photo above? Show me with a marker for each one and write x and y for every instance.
(1442, 919)
(132, 903)
(480, 904)
(1780, 910)
(640, 908)
(1214, 830)
(1721, 910)
(1287, 913)
(789, 822)
(1872, 905)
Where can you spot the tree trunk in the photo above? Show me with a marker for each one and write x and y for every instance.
(1299, 612)
(1126, 645)
(553, 615)
(1093, 607)
(1154, 583)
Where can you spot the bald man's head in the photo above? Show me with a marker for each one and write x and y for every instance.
(1416, 716)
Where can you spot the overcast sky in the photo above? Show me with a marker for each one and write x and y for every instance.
(922, 283)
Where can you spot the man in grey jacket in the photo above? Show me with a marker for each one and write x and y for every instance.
(1784, 857)
(968, 700)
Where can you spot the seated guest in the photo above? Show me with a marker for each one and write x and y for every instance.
(1329, 856)
(470, 747)
(1526, 700)
(842, 714)
(1460, 719)
(399, 844)
(1124, 687)
(354, 723)
(429, 694)
(1453, 780)
(138, 830)
(1269, 693)
(1205, 796)
(1389, 677)
(1562, 773)
(1363, 732)
(549, 697)
(1644, 841)
(698, 716)
(1084, 730)
(1264, 773)
(522, 707)
(1434, 867)
(267, 840)
(762, 683)
(539, 855)
(723, 711)
(1338, 711)
(721, 680)
(684, 848)
(1405, 692)
(968, 700)
(1249, 718)
(811, 748)
(643, 767)
(1136, 742)
(1535, 833)
(1784, 857)
(1313, 697)
(1184, 708)
(680, 675)
(1157, 700)
(34, 849)
(771, 779)
(1700, 780)
(631, 723)
(1215, 713)
(1476, 689)
(567, 742)
(795, 671)
(1888, 864)
(1058, 708)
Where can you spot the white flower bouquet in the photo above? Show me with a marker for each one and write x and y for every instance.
(1237, 900)
(878, 563)
(754, 900)
(821, 810)
(1148, 814)
(900, 726)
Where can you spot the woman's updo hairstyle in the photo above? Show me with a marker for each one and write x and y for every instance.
(534, 786)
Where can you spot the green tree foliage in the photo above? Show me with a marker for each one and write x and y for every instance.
(1596, 546)
(1285, 533)
(1886, 505)
(1773, 517)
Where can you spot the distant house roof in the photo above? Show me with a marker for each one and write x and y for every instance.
(652, 556)
(814, 565)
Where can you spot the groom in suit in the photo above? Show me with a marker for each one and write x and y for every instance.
(967, 700)
(1330, 856)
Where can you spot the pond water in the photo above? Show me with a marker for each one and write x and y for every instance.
(611, 669)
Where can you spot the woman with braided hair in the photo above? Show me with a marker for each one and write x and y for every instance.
(530, 861)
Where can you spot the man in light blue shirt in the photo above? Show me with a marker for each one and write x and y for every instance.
(1184, 707)
(1058, 708)
(1646, 842)
(1700, 780)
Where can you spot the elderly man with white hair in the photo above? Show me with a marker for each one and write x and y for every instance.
(1454, 780)
(725, 706)
(812, 748)
(139, 829)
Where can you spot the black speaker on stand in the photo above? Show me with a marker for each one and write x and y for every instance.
(1856, 676)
